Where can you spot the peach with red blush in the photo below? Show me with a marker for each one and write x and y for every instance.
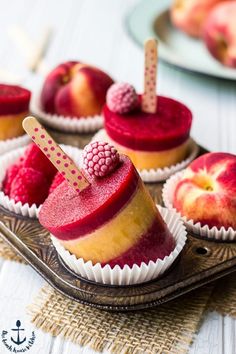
(206, 193)
(189, 16)
(74, 89)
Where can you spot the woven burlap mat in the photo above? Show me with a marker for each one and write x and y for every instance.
(169, 328)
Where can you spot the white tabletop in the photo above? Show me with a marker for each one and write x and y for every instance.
(93, 31)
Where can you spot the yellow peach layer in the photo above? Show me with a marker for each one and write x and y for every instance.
(154, 159)
(11, 125)
(119, 234)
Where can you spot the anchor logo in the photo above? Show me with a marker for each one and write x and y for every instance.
(18, 341)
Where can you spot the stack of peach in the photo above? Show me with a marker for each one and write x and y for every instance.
(212, 20)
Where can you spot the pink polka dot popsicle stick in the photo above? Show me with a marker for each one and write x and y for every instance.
(149, 99)
(55, 154)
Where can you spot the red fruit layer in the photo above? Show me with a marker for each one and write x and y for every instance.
(13, 99)
(69, 215)
(165, 129)
(155, 244)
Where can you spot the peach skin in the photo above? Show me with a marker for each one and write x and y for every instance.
(189, 16)
(220, 33)
(207, 191)
(74, 89)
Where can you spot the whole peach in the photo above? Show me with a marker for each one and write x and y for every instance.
(220, 33)
(189, 15)
(207, 191)
(74, 89)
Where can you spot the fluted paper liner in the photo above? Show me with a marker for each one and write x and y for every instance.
(136, 274)
(205, 231)
(159, 174)
(14, 143)
(66, 124)
(8, 159)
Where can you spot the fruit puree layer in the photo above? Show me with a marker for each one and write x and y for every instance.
(113, 221)
(14, 105)
(11, 125)
(166, 129)
(154, 159)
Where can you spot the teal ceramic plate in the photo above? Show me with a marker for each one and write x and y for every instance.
(151, 18)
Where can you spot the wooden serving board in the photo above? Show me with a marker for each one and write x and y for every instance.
(200, 262)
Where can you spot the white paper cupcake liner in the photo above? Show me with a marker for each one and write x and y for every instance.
(204, 231)
(14, 143)
(159, 174)
(66, 124)
(127, 275)
(8, 159)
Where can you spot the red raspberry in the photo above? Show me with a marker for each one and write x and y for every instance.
(57, 180)
(29, 186)
(122, 98)
(11, 173)
(37, 160)
(100, 158)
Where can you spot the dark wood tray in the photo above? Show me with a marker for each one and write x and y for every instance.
(201, 262)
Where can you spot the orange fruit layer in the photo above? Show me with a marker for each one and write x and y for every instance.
(119, 234)
(11, 125)
(157, 159)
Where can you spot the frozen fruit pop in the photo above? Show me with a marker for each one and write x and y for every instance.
(113, 221)
(151, 129)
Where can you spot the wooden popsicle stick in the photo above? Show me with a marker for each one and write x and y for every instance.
(149, 98)
(40, 49)
(55, 154)
(33, 52)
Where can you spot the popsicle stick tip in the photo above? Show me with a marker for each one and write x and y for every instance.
(55, 154)
(151, 41)
(149, 98)
(28, 120)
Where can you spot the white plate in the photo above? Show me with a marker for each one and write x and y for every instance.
(150, 18)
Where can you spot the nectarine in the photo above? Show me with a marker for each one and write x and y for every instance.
(189, 16)
(220, 33)
(207, 191)
(74, 89)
